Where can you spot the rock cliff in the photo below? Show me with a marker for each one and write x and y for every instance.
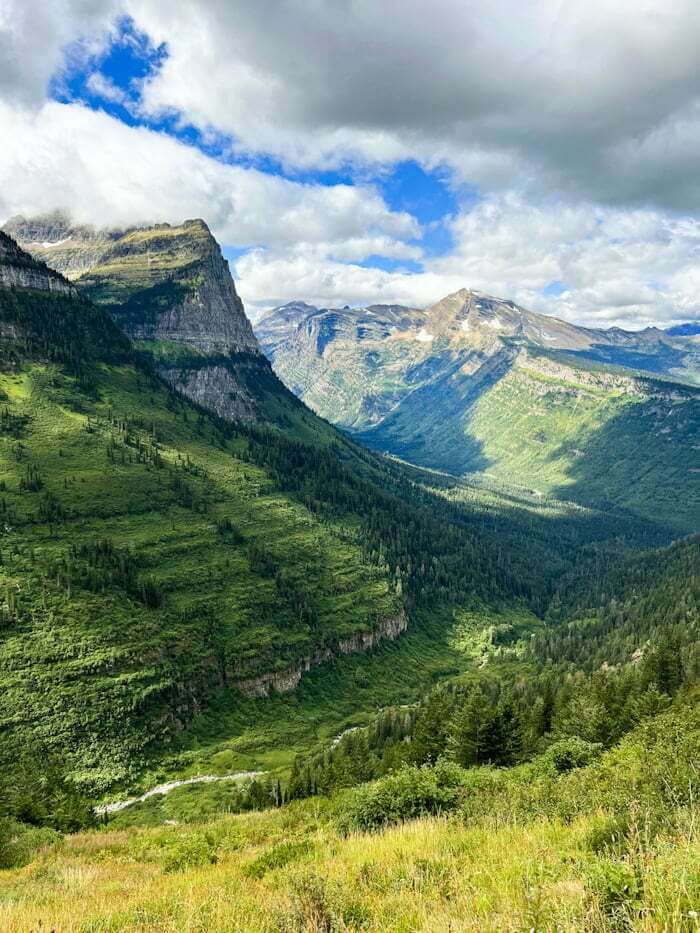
(18, 270)
(287, 680)
(170, 290)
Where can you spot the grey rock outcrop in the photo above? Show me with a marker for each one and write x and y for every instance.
(18, 270)
(287, 680)
(170, 290)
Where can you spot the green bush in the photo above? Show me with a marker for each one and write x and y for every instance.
(616, 886)
(278, 856)
(190, 850)
(403, 795)
(571, 752)
(608, 832)
(20, 843)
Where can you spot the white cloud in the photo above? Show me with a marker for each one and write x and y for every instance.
(630, 268)
(103, 87)
(104, 172)
(600, 100)
(33, 37)
(580, 126)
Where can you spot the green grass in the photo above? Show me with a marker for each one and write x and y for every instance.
(97, 671)
(606, 847)
(595, 445)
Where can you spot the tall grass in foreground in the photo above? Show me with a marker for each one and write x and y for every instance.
(607, 847)
(273, 872)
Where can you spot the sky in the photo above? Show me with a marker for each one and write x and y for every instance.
(355, 151)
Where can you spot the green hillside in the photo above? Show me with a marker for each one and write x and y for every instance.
(475, 385)
(606, 846)
(560, 430)
(146, 564)
(154, 557)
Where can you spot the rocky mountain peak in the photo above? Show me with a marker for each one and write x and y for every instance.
(170, 290)
(161, 283)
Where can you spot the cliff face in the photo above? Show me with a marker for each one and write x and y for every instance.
(18, 270)
(358, 366)
(287, 680)
(171, 292)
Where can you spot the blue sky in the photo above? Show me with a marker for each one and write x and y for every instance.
(345, 156)
(429, 195)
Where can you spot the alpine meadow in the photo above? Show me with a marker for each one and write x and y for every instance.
(350, 528)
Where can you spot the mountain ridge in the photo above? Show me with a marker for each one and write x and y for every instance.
(159, 557)
(478, 385)
(170, 290)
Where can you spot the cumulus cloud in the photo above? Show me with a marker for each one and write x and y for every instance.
(33, 37)
(625, 268)
(580, 126)
(587, 98)
(104, 172)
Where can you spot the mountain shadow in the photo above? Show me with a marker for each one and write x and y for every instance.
(429, 427)
(660, 482)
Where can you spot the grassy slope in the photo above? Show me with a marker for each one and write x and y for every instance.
(611, 846)
(102, 451)
(594, 445)
(236, 734)
(143, 669)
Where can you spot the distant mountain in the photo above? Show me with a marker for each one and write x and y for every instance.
(691, 329)
(475, 384)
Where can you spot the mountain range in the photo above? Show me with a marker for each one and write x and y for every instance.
(478, 385)
(214, 601)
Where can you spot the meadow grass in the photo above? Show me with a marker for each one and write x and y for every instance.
(607, 847)
(290, 870)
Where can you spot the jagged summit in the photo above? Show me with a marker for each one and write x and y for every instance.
(468, 317)
(475, 383)
(195, 302)
(172, 283)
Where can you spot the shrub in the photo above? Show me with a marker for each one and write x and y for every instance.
(405, 794)
(608, 832)
(278, 856)
(190, 850)
(19, 843)
(616, 886)
(571, 752)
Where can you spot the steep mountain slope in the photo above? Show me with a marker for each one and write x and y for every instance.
(475, 384)
(154, 557)
(170, 290)
(147, 562)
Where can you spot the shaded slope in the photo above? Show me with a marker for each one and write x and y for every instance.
(170, 291)
(474, 384)
(154, 557)
(146, 561)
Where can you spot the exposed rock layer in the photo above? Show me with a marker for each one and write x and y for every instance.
(170, 290)
(288, 680)
(18, 270)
